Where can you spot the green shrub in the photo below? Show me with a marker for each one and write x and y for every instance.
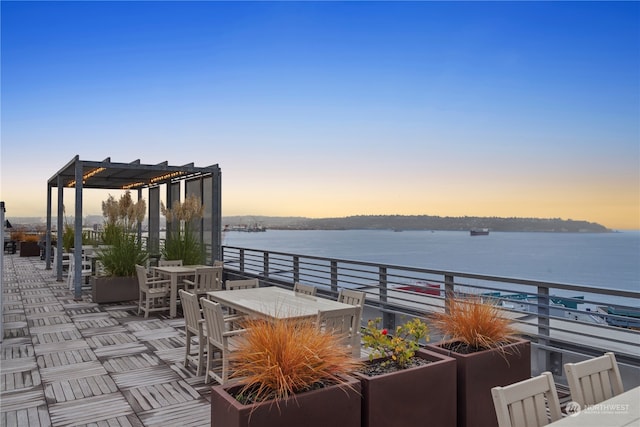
(122, 255)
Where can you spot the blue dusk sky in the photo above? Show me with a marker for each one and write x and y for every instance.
(323, 109)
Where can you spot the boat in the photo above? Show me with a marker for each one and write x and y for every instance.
(479, 231)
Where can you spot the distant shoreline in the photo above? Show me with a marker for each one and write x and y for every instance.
(418, 222)
(377, 222)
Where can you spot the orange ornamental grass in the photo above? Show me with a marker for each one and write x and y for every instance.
(475, 323)
(277, 359)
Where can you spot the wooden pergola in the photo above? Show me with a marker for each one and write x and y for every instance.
(204, 182)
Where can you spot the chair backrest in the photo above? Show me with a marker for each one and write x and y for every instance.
(340, 322)
(524, 404)
(191, 309)
(232, 285)
(208, 279)
(86, 263)
(351, 297)
(169, 263)
(141, 272)
(304, 289)
(594, 380)
(218, 263)
(214, 319)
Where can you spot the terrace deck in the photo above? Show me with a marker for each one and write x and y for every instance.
(66, 362)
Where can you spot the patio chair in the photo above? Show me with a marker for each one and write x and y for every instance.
(65, 261)
(207, 279)
(341, 322)
(86, 270)
(595, 380)
(219, 340)
(304, 289)
(530, 403)
(154, 293)
(234, 285)
(355, 298)
(169, 263)
(166, 263)
(194, 327)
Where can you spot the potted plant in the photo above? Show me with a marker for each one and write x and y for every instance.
(403, 384)
(29, 246)
(182, 241)
(488, 353)
(289, 373)
(122, 251)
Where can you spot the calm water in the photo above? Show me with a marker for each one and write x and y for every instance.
(601, 260)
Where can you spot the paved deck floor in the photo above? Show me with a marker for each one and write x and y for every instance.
(66, 362)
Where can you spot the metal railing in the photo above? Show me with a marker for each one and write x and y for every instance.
(564, 321)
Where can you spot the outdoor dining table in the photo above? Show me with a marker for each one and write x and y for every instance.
(272, 302)
(622, 410)
(174, 273)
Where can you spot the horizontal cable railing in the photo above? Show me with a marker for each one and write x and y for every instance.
(556, 316)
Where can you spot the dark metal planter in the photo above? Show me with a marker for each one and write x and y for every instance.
(114, 289)
(478, 372)
(29, 249)
(424, 395)
(334, 406)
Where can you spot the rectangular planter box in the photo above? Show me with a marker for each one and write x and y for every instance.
(29, 249)
(413, 396)
(333, 406)
(114, 289)
(478, 372)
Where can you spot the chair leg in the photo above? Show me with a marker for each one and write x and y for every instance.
(208, 367)
(140, 303)
(225, 367)
(187, 348)
(201, 344)
(147, 302)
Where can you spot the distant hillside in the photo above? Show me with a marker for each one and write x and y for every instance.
(419, 222)
(376, 222)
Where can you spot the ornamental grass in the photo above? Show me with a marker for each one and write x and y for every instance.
(125, 249)
(276, 360)
(474, 323)
(183, 242)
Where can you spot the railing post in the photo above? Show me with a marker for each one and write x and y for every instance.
(334, 277)
(449, 291)
(265, 264)
(543, 328)
(296, 269)
(242, 260)
(388, 319)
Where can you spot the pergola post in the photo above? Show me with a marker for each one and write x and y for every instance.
(60, 229)
(77, 242)
(2, 271)
(216, 215)
(47, 237)
(153, 237)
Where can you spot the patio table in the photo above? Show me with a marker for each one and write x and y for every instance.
(622, 410)
(175, 272)
(272, 302)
